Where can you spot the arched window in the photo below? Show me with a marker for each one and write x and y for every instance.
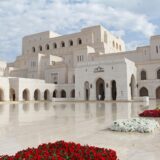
(40, 48)
(33, 49)
(143, 75)
(62, 44)
(120, 47)
(158, 74)
(47, 46)
(79, 41)
(54, 45)
(70, 43)
(143, 92)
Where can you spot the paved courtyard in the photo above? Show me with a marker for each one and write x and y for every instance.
(30, 124)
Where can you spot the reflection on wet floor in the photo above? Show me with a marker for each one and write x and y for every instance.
(29, 124)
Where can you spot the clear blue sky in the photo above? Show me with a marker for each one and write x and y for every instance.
(134, 21)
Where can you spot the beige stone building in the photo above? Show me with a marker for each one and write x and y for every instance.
(89, 65)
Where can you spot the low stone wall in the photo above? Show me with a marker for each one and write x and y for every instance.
(141, 99)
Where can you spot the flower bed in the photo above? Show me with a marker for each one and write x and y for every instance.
(150, 113)
(63, 151)
(141, 125)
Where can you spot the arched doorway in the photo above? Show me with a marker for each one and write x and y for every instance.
(143, 92)
(100, 89)
(158, 93)
(72, 93)
(86, 90)
(132, 85)
(114, 90)
(37, 95)
(46, 94)
(12, 95)
(26, 95)
(1, 95)
(63, 94)
(54, 93)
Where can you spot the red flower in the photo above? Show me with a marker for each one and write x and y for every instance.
(63, 151)
(150, 113)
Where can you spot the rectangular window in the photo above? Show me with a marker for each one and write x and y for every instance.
(54, 78)
(80, 58)
(33, 63)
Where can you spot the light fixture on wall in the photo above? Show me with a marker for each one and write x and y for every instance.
(137, 85)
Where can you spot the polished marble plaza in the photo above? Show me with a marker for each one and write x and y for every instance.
(25, 125)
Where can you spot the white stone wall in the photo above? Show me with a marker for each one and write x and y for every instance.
(4, 89)
(115, 70)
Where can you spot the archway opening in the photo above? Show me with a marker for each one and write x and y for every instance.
(26, 95)
(132, 85)
(54, 93)
(114, 90)
(100, 89)
(158, 93)
(73, 93)
(12, 95)
(1, 95)
(63, 94)
(37, 95)
(46, 94)
(143, 92)
(86, 90)
(158, 74)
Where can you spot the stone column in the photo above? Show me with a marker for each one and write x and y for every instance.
(108, 91)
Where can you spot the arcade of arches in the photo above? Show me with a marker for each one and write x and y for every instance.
(100, 92)
(100, 89)
(38, 95)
